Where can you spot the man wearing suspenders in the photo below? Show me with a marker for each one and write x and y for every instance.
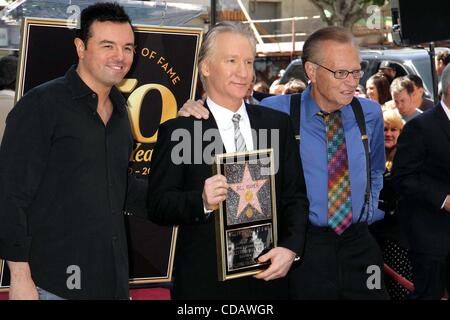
(342, 152)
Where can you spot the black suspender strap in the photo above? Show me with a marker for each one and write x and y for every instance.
(359, 115)
(296, 100)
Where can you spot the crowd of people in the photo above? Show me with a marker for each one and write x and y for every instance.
(361, 182)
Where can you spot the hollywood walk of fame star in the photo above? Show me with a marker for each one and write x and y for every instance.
(247, 190)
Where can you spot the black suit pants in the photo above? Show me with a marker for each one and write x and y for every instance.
(431, 275)
(346, 266)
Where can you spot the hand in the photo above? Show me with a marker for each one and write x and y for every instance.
(214, 191)
(281, 260)
(195, 109)
(22, 286)
(447, 203)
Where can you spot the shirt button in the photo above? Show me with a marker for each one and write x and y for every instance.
(93, 96)
(114, 238)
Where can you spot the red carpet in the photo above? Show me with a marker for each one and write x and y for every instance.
(136, 294)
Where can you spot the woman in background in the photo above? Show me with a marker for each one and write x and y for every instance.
(377, 88)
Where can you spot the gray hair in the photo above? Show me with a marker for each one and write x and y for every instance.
(445, 78)
(209, 41)
(312, 46)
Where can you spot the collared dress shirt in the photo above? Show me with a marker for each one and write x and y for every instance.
(447, 112)
(223, 118)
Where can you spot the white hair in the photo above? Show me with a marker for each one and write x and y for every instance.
(209, 41)
(445, 78)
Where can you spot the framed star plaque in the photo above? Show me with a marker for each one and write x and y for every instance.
(246, 224)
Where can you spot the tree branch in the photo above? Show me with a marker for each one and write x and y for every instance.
(321, 6)
(343, 12)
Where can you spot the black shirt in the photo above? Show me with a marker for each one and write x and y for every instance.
(427, 104)
(63, 187)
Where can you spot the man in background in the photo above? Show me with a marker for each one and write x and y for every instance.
(388, 69)
(421, 175)
(403, 95)
(419, 93)
(442, 59)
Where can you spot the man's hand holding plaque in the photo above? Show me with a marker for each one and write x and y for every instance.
(281, 260)
(214, 191)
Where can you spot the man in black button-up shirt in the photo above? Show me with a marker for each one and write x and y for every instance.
(63, 172)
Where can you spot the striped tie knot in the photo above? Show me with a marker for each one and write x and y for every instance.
(236, 118)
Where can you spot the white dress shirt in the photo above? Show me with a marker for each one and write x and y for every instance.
(223, 118)
(6, 105)
(447, 112)
(446, 109)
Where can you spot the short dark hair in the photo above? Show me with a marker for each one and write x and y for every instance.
(311, 48)
(102, 12)
(444, 56)
(8, 72)
(416, 79)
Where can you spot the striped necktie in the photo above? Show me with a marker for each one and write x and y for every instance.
(339, 197)
(239, 141)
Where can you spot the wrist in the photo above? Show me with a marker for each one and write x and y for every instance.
(19, 278)
(20, 271)
(292, 254)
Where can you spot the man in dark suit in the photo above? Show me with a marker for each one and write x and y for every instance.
(183, 191)
(421, 173)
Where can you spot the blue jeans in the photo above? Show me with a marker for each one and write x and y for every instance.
(45, 295)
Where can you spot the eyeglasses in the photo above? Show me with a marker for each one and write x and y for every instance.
(343, 74)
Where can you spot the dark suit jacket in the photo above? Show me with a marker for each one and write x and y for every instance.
(421, 175)
(175, 197)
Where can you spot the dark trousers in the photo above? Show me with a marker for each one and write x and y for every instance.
(431, 275)
(346, 266)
